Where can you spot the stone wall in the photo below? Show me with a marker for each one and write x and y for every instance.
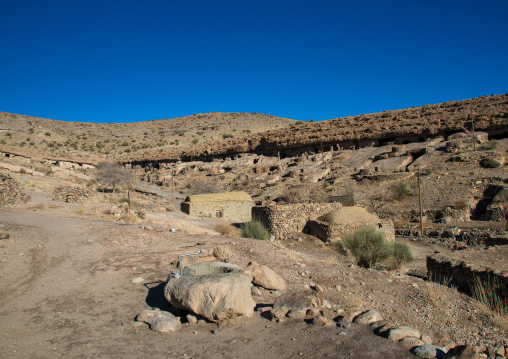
(283, 219)
(462, 274)
(10, 192)
(328, 232)
(71, 194)
(232, 211)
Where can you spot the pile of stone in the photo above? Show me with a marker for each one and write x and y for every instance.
(72, 194)
(10, 192)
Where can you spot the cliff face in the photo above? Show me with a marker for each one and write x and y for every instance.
(489, 113)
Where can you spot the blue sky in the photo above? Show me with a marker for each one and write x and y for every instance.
(125, 61)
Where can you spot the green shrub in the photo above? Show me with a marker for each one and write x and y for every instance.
(47, 133)
(367, 245)
(490, 163)
(91, 182)
(401, 255)
(227, 135)
(400, 191)
(256, 230)
(123, 200)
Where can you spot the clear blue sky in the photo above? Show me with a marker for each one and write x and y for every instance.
(124, 61)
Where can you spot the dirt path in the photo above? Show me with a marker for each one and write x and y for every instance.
(66, 291)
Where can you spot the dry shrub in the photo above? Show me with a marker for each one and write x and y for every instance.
(222, 252)
(487, 294)
(306, 193)
(202, 184)
(227, 229)
(437, 292)
(460, 204)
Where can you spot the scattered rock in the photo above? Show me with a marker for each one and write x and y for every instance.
(411, 342)
(192, 319)
(137, 280)
(428, 351)
(216, 291)
(266, 277)
(399, 333)
(323, 321)
(367, 317)
(160, 321)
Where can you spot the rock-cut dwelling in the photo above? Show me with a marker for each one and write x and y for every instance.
(231, 206)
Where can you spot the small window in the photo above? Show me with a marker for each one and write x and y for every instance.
(218, 213)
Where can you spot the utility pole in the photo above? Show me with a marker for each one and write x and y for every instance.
(472, 127)
(421, 206)
(172, 182)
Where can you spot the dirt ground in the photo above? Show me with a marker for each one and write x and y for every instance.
(67, 291)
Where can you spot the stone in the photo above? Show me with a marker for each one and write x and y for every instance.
(467, 352)
(4, 235)
(447, 344)
(411, 342)
(399, 333)
(367, 317)
(137, 280)
(302, 300)
(255, 291)
(428, 351)
(500, 351)
(279, 314)
(216, 291)
(322, 321)
(160, 321)
(192, 319)
(426, 339)
(265, 277)
(297, 314)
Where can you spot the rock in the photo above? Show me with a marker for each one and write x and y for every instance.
(447, 344)
(367, 317)
(303, 300)
(411, 342)
(500, 351)
(466, 352)
(4, 235)
(160, 321)
(399, 333)
(266, 277)
(216, 291)
(192, 319)
(279, 314)
(323, 321)
(426, 339)
(255, 291)
(428, 351)
(297, 314)
(137, 280)
(313, 312)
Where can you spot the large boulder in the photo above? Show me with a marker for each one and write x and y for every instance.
(266, 277)
(216, 291)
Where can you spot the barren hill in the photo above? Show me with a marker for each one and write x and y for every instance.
(95, 141)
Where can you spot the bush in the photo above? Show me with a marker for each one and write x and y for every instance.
(91, 182)
(401, 255)
(123, 200)
(227, 135)
(460, 204)
(490, 163)
(367, 245)
(400, 191)
(226, 229)
(256, 230)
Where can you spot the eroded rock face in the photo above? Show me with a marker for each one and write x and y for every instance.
(216, 291)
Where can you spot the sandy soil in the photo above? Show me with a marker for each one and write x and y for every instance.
(67, 291)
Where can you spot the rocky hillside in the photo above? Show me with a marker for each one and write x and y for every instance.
(81, 141)
(488, 113)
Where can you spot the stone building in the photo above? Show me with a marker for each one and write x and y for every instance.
(232, 206)
(332, 225)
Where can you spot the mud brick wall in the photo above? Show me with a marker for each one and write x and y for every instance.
(462, 274)
(283, 219)
(10, 192)
(328, 232)
(71, 194)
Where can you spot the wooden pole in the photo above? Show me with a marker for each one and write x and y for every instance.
(421, 206)
(472, 126)
(172, 184)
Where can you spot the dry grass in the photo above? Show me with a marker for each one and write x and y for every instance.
(227, 229)
(439, 298)
(487, 295)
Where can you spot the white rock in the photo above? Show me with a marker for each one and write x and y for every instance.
(137, 280)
